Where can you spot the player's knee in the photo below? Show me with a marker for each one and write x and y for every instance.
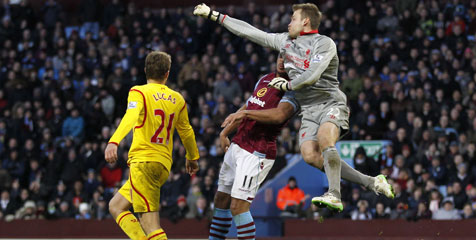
(116, 206)
(325, 140)
(222, 200)
(309, 155)
(113, 209)
(239, 206)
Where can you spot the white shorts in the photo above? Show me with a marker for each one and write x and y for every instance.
(242, 172)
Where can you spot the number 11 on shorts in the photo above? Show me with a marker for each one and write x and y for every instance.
(244, 182)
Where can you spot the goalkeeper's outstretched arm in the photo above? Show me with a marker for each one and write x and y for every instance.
(242, 28)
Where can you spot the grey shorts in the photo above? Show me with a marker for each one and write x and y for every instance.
(315, 115)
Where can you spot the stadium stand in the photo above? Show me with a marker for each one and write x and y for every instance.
(407, 67)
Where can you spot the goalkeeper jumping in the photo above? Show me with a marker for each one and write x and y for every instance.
(311, 61)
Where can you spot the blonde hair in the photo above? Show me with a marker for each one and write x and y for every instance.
(157, 64)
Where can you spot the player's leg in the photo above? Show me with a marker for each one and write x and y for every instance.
(146, 179)
(312, 155)
(245, 225)
(327, 136)
(311, 148)
(221, 221)
(251, 170)
(239, 206)
(222, 217)
(330, 118)
(150, 222)
(119, 208)
(312, 130)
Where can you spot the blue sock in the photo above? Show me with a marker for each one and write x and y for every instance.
(245, 225)
(221, 222)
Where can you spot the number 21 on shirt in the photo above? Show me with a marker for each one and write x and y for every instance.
(160, 140)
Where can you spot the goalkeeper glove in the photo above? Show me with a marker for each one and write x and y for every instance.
(280, 84)
(204, 11)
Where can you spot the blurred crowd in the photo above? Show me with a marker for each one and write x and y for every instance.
(407, 67)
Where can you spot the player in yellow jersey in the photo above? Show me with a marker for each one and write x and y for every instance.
(153, 113)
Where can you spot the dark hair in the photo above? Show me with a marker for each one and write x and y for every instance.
(311, 11)
(157, 64)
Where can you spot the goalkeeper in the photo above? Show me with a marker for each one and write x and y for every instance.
(311, 61)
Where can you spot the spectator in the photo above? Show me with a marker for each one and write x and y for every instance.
(461, 174)
(73, 126)
(99, 209)
(191, 68)
(180, 210)
(447, 211)
(111, 175)
(415, 199)
(192, 197)
(208, 189)
(422, 212)
(91, 183)
(364, 164)
(389, 23)
(64, 211)
(72, 168)
(459, 196)
(468, 212)
(201, 210)
(400, 211)
(83, 212)
(60, 193)
(14, 165)
(362, 212)
(226, 86)
(77, 193)
(380, 212)
(51, 13)
(171, 191)
(438, 171)
(6, 205)
(290, 198)
(27, 212)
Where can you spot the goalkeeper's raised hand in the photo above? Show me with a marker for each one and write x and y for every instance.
(280, 84)
(204, 11)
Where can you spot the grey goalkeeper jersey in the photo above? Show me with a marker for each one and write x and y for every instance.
(310, 60)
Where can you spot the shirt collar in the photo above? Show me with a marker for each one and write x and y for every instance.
(310, 32)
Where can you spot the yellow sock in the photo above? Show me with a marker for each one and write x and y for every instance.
(130, 225)
(158, 234)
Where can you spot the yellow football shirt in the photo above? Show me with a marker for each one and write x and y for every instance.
(154, 111)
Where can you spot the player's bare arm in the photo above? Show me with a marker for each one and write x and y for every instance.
(224, 140)
(277, 115)
(234, 117)
(228, 129)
